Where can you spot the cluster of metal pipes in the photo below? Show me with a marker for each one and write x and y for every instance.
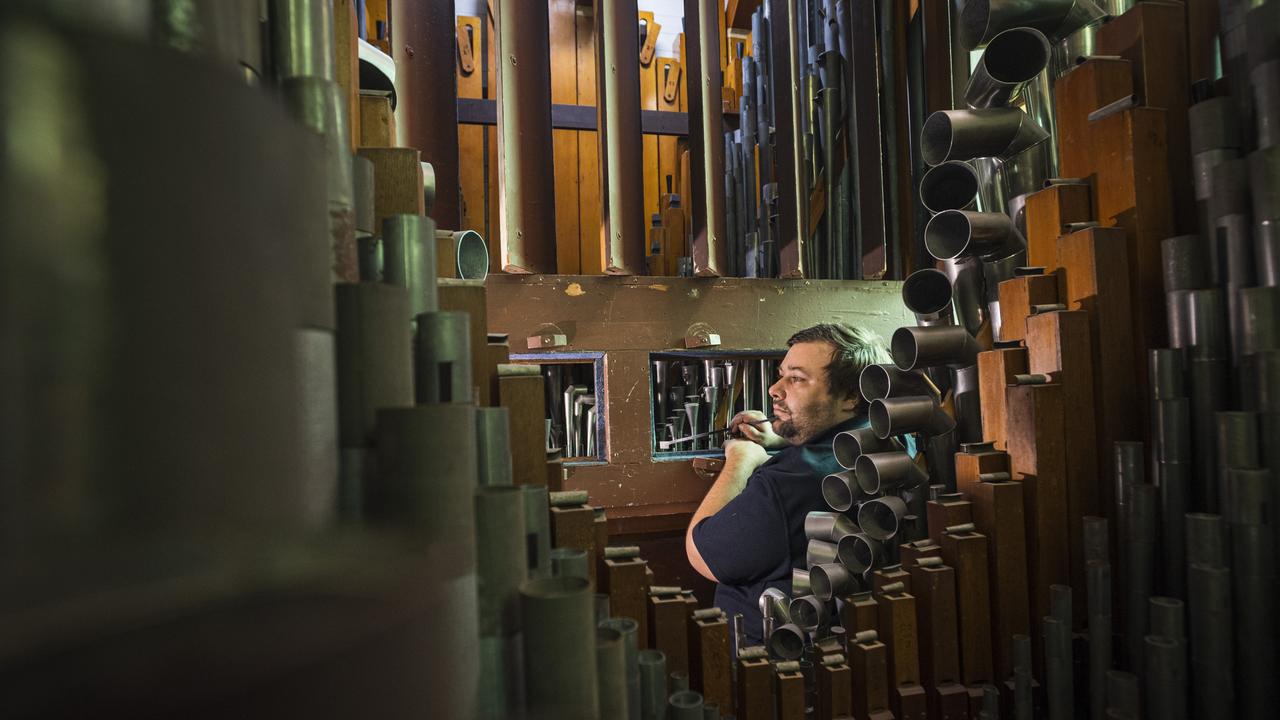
(693, 396)
(573, 428)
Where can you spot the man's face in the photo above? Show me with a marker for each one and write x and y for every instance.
(802, 399)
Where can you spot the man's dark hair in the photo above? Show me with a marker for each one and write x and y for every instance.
(853, 350)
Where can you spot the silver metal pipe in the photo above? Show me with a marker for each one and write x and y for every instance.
(959, 233)
(889, 472)
(967, 292)
(787, 642)
(860, 553)
(537, 524)
(952, 185)
(501, 558)
(1206, 539)
(1166, 678)
(982, 20)
(653, 684)
(493, 445)
(896, 416)
(877, 382)
(1057, 652)
(880, 518)
(818, 552)
(967, 134)
(1013, 58)
(828, 526)
(1264, 78)
(374, 352)
(684, 705)
(840, 490)
(800, 585)
(302, 39)
(467, 257)
(409, 259)
(927, 294)
(1139, 566)
(850, 444)
(442, 358)
(611, 672)
(569, 563)
(913, 348)
(829, 580)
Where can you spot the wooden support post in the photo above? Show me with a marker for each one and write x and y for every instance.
(377, 122)
(998, 513)
(468, 296)
(945, 512)
(1017, 295)
(996, 369)
(870, 680)
(967, 553)
(627, 583)
(1037, 456)
(575, 527)
(1058, 343)
(710, 672)
(898, 631)
(892, 574)
(669, 630)
(755, 689)
(791, 700)
(1048, 213)
(970, 465)
(859, 612)
(911, 553)
(835, 691)
(1094, 277)
(397, 182)
(525, 399)
(935, 592)
(1090, 85)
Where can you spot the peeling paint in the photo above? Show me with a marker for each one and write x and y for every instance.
(574, 290)
(659, 287)
(693, 292)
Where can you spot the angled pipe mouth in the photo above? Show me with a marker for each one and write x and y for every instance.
(828, 526)
(952, 185)
(819, 552)
(953, 234)
(829, 580)
(861, 553)
(897, 416)
(800, 583)
(809, 612)
(982, 20)
(927, 294)
(877, 382)
(787, 642)
(469, 252)
(840, 490)
(881, 518)
(848, 445)
(914, 348)
(997, 133)
(1013, 58)
(773, 603)
(889, 472)
(965, 275)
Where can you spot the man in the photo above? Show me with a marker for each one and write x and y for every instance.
(748, 533)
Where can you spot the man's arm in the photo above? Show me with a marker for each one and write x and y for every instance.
(741, 458)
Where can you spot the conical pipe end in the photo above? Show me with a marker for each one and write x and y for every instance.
(962, 233)
(787, 642)
(848, 445)
(1012, 58)
(997, 133)
(819, 552)
(881, 518)
(877, 382)
(952, 185)
(809, 612)
(889, 472)
(839, 490)
(927, 294)
(915, 348)
(829, 580)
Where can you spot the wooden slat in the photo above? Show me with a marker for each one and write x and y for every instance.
(347, 62)
(1017, 295)
(1048, 211)
(998, 513)
(590, 241)
(649, 143)
(710, 671)
(755, 689)
(942, 514)
(967, 553)
(564, 89)
(525, 398)
(934, 588)
(791, 696)
(668, 160)
(1058, 342)
(669, 630)
(377, 122)
(471, 170)
(996, 369)
(1087, 87)
(899, 634)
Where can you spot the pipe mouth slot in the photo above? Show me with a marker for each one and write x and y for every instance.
(1016, 55)
(952, 185)
(947, 235)
(837, 490)
(926, 292)
(937, 137)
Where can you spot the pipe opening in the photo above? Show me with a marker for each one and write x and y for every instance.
(947, 234)
(936, 138)
(837, 492)
(878, 519)
(926, 292)
(953, 185)
(787, 642)
(974, 18)
(868, 474)
(874, 381)
(1016, 56)
(804, 611)
(905, 351)
(846, 448)
(472, 255)
(879, 415)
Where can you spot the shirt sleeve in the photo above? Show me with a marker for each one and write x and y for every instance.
(747, 539)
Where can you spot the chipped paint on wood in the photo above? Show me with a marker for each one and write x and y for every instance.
(574, 290)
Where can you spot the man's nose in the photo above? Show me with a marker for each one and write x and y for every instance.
(775, 391)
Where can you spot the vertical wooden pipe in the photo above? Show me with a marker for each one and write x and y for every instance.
(621, 152)
(706, 138)
(527, 203)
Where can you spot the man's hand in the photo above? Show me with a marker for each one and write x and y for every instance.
(745, 454)
(750, 425)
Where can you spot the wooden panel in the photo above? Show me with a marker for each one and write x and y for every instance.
(1087, 87)
(397, 180)
(1017, 295)
(942, 514)
(935, 592)
(1153, 37)
(669, 630)
(377, 122)
(835, 691)
(887, 576)
(525, 399)
(668, 160)
(967, 553)
(910, 554)
(755, 690)
(998, 513)
(471, 169)
(858, 613)
(627, 583)
(1037, 456)
(711, 673)
(347, 62)
(649, 143)
(969, 465)
(1094, 277)
(469, 296)
(791, 696)
(590, 240)
(564, 89)
(996, 369)
(870, 679)
(1058, 342)
(898, 631)
(1048, 212)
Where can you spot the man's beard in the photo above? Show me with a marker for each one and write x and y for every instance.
(800, 428)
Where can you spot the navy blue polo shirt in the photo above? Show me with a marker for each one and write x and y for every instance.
(758, 537)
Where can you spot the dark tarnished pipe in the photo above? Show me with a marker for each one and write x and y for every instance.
(537, 523)
(828, 526)
(889, 472)
(409, 259)
(860, 553)
(792, 261)
(302, 39)
(1168, 374)
(968, 405)
(1206, 539)
(849, 444)
(967, 134)
(1165, 673)
(501, 558)
(557, 617)
(830, 579)
(1140, 566)
(927, 294)
(1012, 59)
(1022, 701)
(840, 491)
(1252, 523)
(611, 672)
(787, 642)
(493, 445)
(1185, 259)
(1168, 618)
(374, 351)
(809, 612)
(684, 705)
(1174, 479)
(957, 233)
(918, 414)
(818, 552)
(706, 133)
(1098, 580)
(880, 518)
(919, 347)
(1265, 81)
(653, 684)
(1057, 652)
(982, 20)
(967, 292)
(442, 358)
(952, 185)
(1237, 447)
(569, 563)
(1212, 645)
(877, 382)
(527, 202)
(1123, 695)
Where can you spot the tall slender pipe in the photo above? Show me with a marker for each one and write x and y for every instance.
(621, 154)
(706, 138)
(793, 256)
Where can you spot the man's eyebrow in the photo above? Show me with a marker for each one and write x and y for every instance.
(796, 368)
